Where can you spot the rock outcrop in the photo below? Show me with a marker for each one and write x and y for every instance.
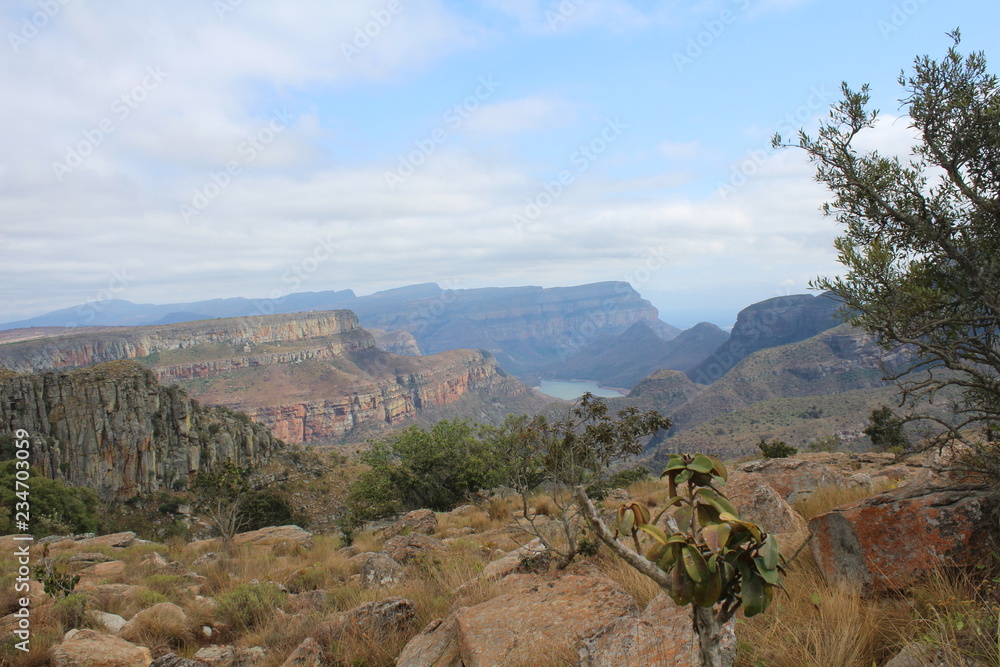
(536, 617)
(114, 428)
(234, 339)
(85, 648)
(888, 541)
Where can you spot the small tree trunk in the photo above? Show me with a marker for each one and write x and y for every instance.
(710, 633)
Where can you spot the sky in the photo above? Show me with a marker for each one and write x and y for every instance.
(165, 152)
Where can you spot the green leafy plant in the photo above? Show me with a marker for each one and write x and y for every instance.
(886, 431)
(55, 578)
(776, 449)
(697, 549)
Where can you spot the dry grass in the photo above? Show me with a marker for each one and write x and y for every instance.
(825, 498)
(159, 629)
(820, 625)
(639, 586)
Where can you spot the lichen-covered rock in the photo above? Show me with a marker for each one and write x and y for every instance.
(418, 521)
(230, 656)
(379, 571)
(889, 540)
(373, 618)
(174, 660)
(757, 501)
(87, 648)
(661, 635)
(536, 616)
(308, 654)
(404, 548)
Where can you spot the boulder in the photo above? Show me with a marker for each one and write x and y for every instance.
(661, 635)
(758, 501)
(110, 622)
(174, 660)
(537, 616)
(377, 618)
(164, 613)
(795, 478)
(205, 559)
(89, 557)
(94, 575)
(86, 648)
(889, 540)
(275, 536)
(308, 654)
(417, 521)
(379, 571)
(404, 548)
(230, 656)
(116, 540)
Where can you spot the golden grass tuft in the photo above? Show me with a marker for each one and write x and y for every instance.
(826, 498)
(818, 624)
(639, 586)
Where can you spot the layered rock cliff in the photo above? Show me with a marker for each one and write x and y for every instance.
(233, 338)
(114, 428)
(310, 376)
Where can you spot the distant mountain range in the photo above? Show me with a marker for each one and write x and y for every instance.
(526, 328)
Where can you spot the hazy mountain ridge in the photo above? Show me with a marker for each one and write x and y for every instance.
(625, 359)
(766, 324)
(526, 328)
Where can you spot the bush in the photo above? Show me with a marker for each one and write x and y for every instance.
(436, 469)
(249, 606)
(776, 449)
(266, 508)
(55, 506)
(70, 610)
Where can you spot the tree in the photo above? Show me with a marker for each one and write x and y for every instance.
(53, 507)
(436, 469)
(572, 452)
(710, 558)
(921, 244)
(886, 431)
(220, 495)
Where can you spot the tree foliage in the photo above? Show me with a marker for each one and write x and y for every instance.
(921, 244)
(886, 431)
(436, 469)
(55, 508)
(570, 453)
(697, 549)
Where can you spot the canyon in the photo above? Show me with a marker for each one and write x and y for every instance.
(310, 377)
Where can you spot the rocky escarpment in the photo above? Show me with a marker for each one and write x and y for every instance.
(421, 385)
(114, 428)
(310, 376)
(770, 323)
(231, 338)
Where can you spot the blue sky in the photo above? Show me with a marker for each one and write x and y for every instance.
(164, 152)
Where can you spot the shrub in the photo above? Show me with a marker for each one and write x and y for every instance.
(70, 610)
(776, 449)
(55, 506)
(250, 606)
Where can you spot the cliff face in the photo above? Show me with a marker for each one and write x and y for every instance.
(311, 376)
(391, 400)
(114, 428)
(770, 323)
(76, 350)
